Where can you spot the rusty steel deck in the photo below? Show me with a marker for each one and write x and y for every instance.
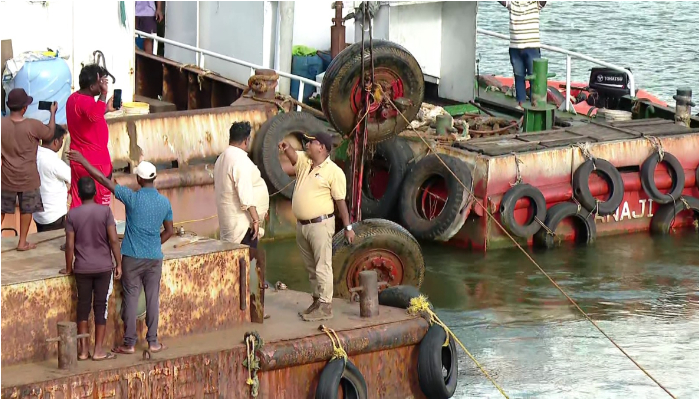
(204, 313)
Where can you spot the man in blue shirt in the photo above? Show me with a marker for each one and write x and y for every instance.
(142, 257)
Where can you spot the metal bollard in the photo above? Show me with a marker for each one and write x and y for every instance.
(67, 344)
(684, 103)
(369, 294)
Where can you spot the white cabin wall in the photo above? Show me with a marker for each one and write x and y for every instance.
(457, 68)
(181, 26)
(417, 27)
(78, 29)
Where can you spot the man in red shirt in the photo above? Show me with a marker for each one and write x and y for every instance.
(89, 134)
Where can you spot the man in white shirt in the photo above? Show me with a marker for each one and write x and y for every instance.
(242, 199)
(55, 175)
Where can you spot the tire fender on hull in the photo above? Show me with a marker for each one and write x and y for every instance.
(341, 373)
(586, 229)
(677, 178)
(433, 356)
(663, 217)
(451, 218)
(612, 176)
(507, 209)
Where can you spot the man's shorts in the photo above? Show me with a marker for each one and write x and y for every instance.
(248, 239)
(29, 202)
(146, 24)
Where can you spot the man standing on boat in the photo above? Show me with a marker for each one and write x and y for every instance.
(524, 40)
(88, 129)
(142, 256)
(148, 15)
(20, 177)
(55, 175)
(242, 199)
(319, 184)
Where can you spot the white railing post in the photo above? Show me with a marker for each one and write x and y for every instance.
(300, 95)
(568, 82)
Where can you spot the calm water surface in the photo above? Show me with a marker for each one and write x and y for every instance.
(642, 291)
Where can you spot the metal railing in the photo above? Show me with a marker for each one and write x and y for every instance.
(200, 62)
(569, 55)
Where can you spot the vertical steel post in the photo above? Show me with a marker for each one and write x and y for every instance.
(369, 295)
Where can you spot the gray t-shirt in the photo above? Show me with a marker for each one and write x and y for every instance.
(92, 251)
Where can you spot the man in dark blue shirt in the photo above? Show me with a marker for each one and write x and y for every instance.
(142, 257)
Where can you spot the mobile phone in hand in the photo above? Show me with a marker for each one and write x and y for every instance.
(117, 99)
(45, 105)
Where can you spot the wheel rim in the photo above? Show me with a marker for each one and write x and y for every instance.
(387, 264)
(387, 84)
(376, 178)
(432, 197)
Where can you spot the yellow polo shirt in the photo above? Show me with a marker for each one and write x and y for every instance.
(317, 188)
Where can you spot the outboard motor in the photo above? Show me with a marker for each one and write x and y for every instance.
(606, 87)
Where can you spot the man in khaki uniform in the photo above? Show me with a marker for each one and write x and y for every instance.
(320, 183)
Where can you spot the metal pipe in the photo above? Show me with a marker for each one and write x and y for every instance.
(300, 95)
(198, 56)
(572, 54)
(227, 58)
(568, 82)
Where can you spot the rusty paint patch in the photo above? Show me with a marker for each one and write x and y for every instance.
(389, 373)
(195, 296)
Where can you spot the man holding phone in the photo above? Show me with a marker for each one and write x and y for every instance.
(88, 129)
(20, 177)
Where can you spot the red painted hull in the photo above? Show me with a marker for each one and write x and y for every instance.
(551, 172)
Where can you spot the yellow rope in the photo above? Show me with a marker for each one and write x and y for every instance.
(195, 220)
(338, 351)
(529, 257)
(420, 306)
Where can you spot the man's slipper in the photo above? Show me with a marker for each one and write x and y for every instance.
(121, 350)
(108, 356)
(159, 349)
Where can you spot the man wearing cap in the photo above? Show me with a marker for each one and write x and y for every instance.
(319, 184)
(20, 176)
(142, 257)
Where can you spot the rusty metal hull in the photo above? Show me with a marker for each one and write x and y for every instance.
(35, 296)
(390, 373)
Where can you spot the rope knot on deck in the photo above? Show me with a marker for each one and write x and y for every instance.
(252, 361)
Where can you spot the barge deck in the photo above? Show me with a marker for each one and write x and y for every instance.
(205, 313)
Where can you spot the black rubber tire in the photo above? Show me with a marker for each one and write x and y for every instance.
(453, 215)
(345, 70)
(582, 192)
(666, 213)
(339, 373)
(555, 215)
(677, 178)
(376, 233)
(399, 296)
(398, 155)
(507, 209)
(432, 357)
(265, 147)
